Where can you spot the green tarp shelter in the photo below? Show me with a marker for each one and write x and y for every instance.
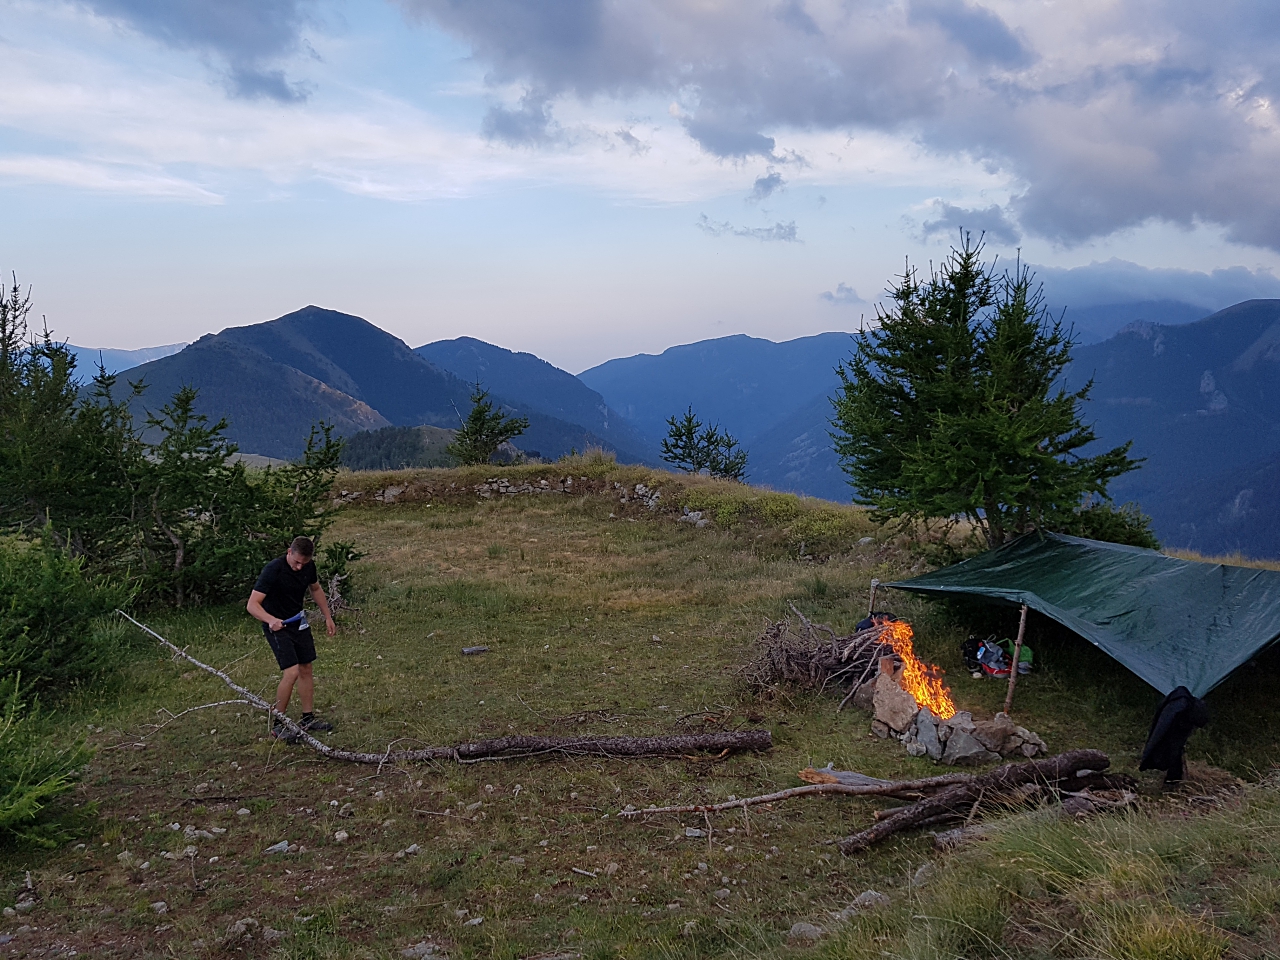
(1172, 622)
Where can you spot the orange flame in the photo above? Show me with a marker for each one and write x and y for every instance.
(923, 681)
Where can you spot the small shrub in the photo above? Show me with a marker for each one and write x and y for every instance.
(53, 627)
(36, 766)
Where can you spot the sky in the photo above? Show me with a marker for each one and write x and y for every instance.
(588, 179)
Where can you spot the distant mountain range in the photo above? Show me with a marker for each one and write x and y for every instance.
(1197, 396)
(1201, 402)
(274, 380)
(113, 361)
(529, 380)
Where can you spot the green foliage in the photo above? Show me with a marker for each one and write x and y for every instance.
(948, 407)
(484, 430)
(53, 630)
(34, 770)
(65, 459)
(1104, 520)
(213, 523)
(396, 448)
(692, 447)
(334, 571)
(174, 515)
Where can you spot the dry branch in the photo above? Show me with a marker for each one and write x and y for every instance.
(1006, 780)
(498, 748)
(813, 655)
(878, 788)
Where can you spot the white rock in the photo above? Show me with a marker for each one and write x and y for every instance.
(160, 907)
(341, 836)
(243, 812)
(804, 933)
(419, 950)
(474, 922)
(281, 847)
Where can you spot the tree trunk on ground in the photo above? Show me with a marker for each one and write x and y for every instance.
(1003, 780)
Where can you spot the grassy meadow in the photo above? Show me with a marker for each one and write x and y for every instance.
(607, 617)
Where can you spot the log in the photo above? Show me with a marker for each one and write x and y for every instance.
(1003, 780)
(499, 748)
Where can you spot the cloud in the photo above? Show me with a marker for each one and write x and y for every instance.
(975, 28)
(1098, 117)
(784, 232)
(246, 35)
(633, 143)
(844, 296)
(528, 125)
(766, 186)
(1120, 281)
(990, 221)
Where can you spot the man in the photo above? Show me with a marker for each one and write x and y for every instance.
(276, 600)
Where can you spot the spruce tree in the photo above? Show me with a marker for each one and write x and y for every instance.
(951, 406)
(484, 430)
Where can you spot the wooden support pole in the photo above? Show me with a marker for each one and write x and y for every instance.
(1017, 658)
(871, 608)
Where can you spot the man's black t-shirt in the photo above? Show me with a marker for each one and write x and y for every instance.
(284, 587)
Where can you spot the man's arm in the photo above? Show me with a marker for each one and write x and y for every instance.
(322, 601)
(254, 606)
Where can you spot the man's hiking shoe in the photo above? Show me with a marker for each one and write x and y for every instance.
(315, 725)
(282, 733)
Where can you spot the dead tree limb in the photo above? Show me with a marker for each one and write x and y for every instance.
(881, 788)
(504, 748)
(1003, 780)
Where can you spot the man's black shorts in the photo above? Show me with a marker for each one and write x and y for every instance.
(291, 645)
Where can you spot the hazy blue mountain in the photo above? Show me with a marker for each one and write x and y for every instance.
(273, 379)
(1095, 324)
(795, 455)
(1201, 402)
(529, 380)
(115, 361)
(271, 406)
(744, 383)
(1237, 510)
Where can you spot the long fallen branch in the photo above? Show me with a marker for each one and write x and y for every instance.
(498, 748)
(882, 789)
(1054, 773)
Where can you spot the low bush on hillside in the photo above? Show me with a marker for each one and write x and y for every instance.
(37, 765)
(54, 626)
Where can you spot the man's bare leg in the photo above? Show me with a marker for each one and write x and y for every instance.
(306, 686)
(285, 690)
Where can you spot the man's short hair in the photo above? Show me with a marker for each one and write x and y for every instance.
(303, 547)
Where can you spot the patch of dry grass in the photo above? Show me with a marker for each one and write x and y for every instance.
(601, 616)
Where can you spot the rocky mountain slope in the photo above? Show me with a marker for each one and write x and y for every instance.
(529, 380)
(273, 380)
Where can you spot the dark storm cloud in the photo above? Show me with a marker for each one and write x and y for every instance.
(1119, 281)
(1112, 116)
(990, 221)
(247, 36)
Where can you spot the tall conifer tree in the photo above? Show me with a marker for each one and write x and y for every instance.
(951, 407)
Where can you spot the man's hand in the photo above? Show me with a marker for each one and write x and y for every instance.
(275, 625)
(330, 627)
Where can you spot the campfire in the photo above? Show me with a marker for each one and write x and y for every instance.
(879, 671)
(923, 681)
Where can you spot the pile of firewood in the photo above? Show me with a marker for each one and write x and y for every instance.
(813, 656)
